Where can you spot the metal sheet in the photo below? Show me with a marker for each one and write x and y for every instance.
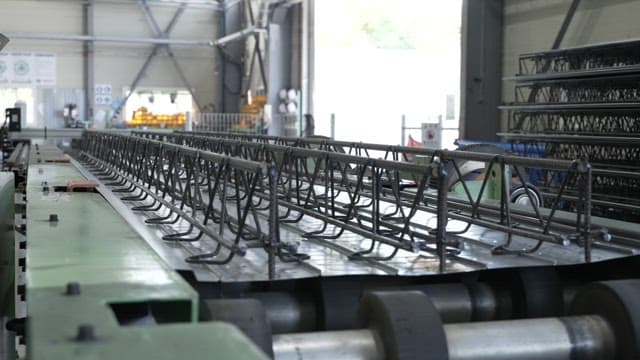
(331, 257)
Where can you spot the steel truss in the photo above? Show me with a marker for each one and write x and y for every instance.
(549, 180)
(337, 170)
(583, 102)
(616, 184)
(585, 58)
(580, 122)
(216, 196)
(590, 90)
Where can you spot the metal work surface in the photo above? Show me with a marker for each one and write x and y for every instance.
(166, 205)
(78, 238)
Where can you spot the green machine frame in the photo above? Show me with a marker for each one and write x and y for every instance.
(91, 279)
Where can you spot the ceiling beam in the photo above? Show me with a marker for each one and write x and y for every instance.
(113, 39)
(203, 5)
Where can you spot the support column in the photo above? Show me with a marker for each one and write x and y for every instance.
(308, 55)
(232, 58)
(481, 92)
(89, 73)
(280, 59)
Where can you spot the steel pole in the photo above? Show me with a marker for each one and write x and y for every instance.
(333, 126)
(89, 63)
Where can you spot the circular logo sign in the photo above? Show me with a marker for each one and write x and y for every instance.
(21, 67)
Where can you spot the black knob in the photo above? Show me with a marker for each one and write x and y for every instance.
(73, 288)
(85, 333)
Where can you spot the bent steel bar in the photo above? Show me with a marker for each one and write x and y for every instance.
(398, 153)
(214, 194)
(337, 190)
(388, 152)
(468, 208)
(332, 188)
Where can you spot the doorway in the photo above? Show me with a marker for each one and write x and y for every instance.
(378, 60)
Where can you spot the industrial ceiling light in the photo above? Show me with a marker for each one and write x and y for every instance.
(3, 41)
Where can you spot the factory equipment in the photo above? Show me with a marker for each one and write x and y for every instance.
(142, 244)
(84, 273)
(22, 105)
(13, 119)
(144, 118)
(70, 116)
(255, 103)
(407, 325)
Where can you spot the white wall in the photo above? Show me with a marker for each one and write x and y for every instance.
(117, 64)
(533, 25)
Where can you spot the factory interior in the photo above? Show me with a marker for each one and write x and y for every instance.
(320, 179)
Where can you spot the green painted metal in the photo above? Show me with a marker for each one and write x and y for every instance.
(170, 342)
(43, 153)
(53, 174)
(91, 244)
(493, 188)
(7, 263)
(473, 186)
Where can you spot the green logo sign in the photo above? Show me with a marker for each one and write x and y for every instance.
(21, 67)
(3, 67)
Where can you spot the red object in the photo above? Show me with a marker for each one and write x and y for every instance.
(414, 144)
(62, 159)
(86, 185)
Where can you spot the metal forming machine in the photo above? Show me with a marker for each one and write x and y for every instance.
(87, 272)
(217, 245)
